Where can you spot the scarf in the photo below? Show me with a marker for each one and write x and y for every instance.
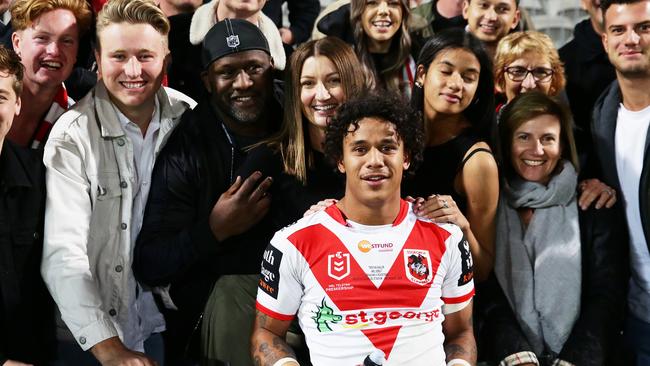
(539, 268)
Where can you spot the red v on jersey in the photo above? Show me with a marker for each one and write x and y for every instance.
(348, 285)
(383, 338)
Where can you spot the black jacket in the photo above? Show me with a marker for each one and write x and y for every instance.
(302, 15)
(588, 72)
(603, 235)
(26, 308)
(603, 129)
(289, 197)
(176, 246)
(184, 71)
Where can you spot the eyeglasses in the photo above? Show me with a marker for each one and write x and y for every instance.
(519, 73)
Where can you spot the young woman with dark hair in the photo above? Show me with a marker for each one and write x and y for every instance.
(322, 75)
(458, 180)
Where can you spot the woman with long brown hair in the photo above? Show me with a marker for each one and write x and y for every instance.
(322, 75)
(379, 33)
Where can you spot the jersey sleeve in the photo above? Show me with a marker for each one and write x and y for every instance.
(280, 287)
(458, 285)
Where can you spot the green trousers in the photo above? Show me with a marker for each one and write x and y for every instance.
(228, 321)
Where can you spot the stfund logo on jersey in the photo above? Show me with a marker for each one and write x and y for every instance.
(270, 271)
(338, 265)
(417, 264)
(365, 246)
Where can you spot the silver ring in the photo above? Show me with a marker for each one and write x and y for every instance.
(444, 204)
(609, 192)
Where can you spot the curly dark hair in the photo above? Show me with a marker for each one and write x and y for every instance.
(387, 107)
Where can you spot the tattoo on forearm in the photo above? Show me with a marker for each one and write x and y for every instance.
(268, 347)
(283, 346)
(454, 350)
(261, 319)
(268, 354)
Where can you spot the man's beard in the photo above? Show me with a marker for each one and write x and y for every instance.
(245, 116)
(635, 72)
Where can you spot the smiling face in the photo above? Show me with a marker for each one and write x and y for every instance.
(48, 48)
(536, 148)
(627, 38)
(373, 161)
(380, 20)
(531, 61)
(450, 82)
(240, 84)
(131, 61)
(321, 91)
(9, 103)
(491, 20)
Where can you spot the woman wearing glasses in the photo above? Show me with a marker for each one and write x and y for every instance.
(527, 61)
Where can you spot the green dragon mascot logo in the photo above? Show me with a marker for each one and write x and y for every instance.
(324, 316)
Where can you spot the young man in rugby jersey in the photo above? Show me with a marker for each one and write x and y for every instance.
(366, 275)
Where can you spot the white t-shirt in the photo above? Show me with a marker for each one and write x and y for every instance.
(358, 288)
(630, 139)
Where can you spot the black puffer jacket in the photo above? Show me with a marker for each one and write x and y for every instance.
(176, 246)
(604, 277)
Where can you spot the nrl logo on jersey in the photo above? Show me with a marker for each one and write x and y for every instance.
(338, 265)
(417, 264)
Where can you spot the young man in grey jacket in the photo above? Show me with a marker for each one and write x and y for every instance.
(98, 162)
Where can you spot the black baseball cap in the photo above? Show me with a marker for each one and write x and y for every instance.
(232, 36)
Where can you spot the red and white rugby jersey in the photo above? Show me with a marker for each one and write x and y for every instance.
(356, 288)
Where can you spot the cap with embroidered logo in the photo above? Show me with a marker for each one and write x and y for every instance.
(232, 36)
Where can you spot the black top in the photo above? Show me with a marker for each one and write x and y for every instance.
(26, 308)
(290, 198)
(302, 15)
(439, 169)
(184, 70)
(441, 23)
(588, 73)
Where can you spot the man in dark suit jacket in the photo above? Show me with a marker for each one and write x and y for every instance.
(620, 125)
